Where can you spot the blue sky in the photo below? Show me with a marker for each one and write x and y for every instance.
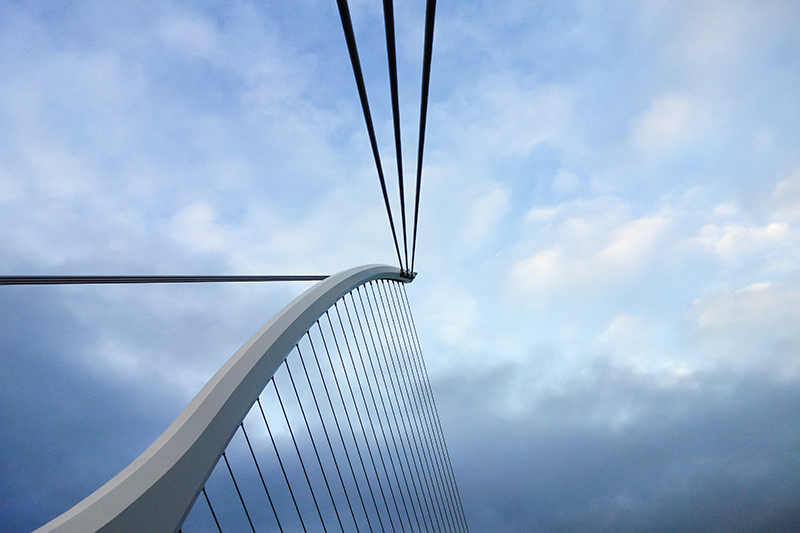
(608, 291)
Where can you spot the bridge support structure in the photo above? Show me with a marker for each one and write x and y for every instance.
(158, 489)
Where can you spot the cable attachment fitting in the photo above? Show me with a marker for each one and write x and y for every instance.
(408, 274)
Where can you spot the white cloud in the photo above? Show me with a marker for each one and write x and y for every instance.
(454, 313)
(593, 253)
(565, 182)
(752, 329)
(195, 226)
(786, 199)
(669, 122)
(506, 117)
(485, 214)
(194, 36)
(732, 240)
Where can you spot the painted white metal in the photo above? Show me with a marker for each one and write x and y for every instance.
(156, 491)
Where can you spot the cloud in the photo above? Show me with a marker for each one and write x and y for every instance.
(485, 214)
(732, 239)
(751, 329)
(193, 36)
(595, 251)
(565, 182)
(509, 117)
(785, 199)
(607, 249)
(606, 453)
(195, 226)
(670, 123)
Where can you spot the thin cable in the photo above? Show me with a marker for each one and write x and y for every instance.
(260, 475)
(413, 401)
(406, 400)
(385, 409)
(350, 37)
(410, 435)
(325, 431)
(391, 53)
(415, 395)
(430, 14)
(385, 412)
(426, 398)
(236, 486)
(213, 514)
(414, 456)
(338, 426)
(420, 398)
(299, 456)
(350, 424)
(361, 423)
(413, 328)
(98, 280)
(280, 462)
(372, 425)
(313, 442)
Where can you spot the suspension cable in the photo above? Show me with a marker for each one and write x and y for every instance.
(236, 486)
(350, 37)
(95, 280)
(391, 53)
(261, 476)
(430, 14)
(213, 514)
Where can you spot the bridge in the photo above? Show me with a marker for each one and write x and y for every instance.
(324, 420)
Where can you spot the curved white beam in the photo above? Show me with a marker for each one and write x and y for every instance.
(156, 491)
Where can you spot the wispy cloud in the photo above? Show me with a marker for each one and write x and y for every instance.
(608, 288)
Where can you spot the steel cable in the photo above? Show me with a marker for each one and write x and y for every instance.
(430, 14)
(350, 38)
(434, 409)
(391, 54)
(406, 400)
(414, 480)
(261, 476)
(385, 408)
(103, 280)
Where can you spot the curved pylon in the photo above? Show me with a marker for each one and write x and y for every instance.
(157, 490)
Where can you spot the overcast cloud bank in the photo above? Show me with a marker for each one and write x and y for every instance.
(608, 295)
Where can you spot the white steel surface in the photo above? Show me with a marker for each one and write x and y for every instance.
(156, 491)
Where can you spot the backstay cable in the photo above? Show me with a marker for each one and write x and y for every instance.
(391, 53)
(350, 37)
(430, 14)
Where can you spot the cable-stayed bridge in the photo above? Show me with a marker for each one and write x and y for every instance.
(324, 420)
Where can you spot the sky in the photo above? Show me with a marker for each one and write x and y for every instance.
(608, 254)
